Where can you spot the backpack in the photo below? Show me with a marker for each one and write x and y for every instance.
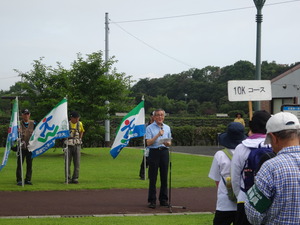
(252, 165)
(227, 181)
(74, 136)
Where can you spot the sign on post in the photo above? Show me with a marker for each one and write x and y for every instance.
(249, 90)
(294, 109)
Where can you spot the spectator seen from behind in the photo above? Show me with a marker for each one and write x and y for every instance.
(220, 173)
(275, 197)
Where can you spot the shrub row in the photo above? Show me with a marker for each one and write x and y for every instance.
(185, 132)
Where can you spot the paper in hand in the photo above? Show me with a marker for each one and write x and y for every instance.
(163, 140)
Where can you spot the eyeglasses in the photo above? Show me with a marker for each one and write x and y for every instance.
(160, 115)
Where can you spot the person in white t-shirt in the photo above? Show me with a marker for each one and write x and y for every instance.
(220, 172)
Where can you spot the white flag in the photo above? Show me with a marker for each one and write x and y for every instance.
(54, 126)
(132, 126)
(12, 132)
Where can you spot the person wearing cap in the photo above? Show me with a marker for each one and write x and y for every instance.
(26, 129)
(146, 153)
(275, 196)
(220, 172)
(72, 152)
(258, 134)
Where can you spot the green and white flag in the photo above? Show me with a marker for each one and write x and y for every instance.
(12, 135)
(54, 126)
(132, 126)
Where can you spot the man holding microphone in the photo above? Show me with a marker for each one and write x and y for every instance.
(158, 139)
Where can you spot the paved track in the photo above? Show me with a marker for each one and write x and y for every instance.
(102, 202)
(197, 150)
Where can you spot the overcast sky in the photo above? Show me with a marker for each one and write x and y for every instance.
(148, 38)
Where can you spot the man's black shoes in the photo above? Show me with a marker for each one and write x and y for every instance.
(19, 183)
(164, 203)
(28, 182)
(152, 205)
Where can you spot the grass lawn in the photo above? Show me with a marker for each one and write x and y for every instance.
(100, 171)
(199, 219)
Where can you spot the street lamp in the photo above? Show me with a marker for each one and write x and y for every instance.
(185, 97)
(259, 5)
(107, 126)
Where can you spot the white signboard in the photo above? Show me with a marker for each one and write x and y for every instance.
(249, 90)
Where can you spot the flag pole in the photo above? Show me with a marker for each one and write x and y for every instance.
(67, 157)
(67, 162)
(145, 163)
(19, 144)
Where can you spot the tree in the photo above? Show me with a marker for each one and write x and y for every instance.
(208, 74)
(193, 107)
(86, 85)
(208, 84)
(207, 108)
(241, 70)
(271, 70)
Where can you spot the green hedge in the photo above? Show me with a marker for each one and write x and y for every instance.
(185, 131)
(3, 135)
(189, 136)
(192, 135)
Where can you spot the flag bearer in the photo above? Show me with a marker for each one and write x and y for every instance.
(72, 152)
(26, 129)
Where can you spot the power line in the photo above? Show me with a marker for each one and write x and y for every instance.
(155, 49)
(2, 78)
(202, 13)
(186, 15)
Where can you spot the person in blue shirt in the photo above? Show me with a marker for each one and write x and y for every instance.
(158, 140)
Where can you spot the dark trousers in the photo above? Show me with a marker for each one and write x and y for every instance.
(25, 154)
(158, 159)
(142, 169)
(224, 218)
(241, 217)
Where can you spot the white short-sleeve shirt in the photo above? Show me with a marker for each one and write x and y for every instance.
(221, 168)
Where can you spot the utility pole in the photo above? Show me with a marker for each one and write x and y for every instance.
(106, 39)
(259, 17)
(107, 121)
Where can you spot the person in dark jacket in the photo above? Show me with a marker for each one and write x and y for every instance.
(26, 129)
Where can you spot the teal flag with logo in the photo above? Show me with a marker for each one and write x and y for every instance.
(53, 126)
(132, 126)
(12, 135)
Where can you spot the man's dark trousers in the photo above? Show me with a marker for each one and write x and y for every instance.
(25, 154)
(158, 159)
(142, 169)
